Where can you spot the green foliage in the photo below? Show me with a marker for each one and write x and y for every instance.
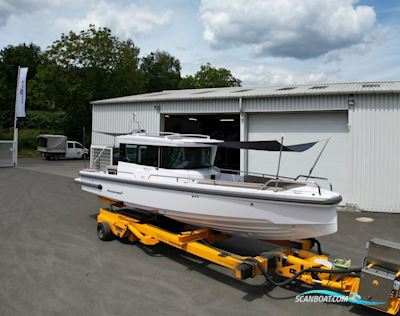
(43, 120)
(210, 77)
(27, 137)
(10, 58)
(81, 67)
(161, 71)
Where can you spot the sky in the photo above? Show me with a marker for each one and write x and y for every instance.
(263, 42)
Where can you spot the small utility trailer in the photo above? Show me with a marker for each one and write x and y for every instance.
(378, 280)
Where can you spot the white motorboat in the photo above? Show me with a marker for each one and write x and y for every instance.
(174, 175)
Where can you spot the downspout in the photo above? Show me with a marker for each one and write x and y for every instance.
(244, 137)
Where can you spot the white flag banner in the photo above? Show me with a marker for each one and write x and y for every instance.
(21, 93)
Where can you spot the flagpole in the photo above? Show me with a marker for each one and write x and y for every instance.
(15, 155)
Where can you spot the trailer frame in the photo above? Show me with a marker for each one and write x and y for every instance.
(292, 260)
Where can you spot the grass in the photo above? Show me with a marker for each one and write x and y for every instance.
(28, 153)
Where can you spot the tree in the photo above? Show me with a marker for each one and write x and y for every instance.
(82, 67)
(210, 77)
(10, 58)
(161, 71)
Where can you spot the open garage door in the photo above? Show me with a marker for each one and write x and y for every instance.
(224, 127)
(300, 128)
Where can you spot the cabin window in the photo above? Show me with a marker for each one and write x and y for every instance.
(148, 155)
(131, 153)
(171, 157)
(187, 157)
(70, 145)
(139, 154)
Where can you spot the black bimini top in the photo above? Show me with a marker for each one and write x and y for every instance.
(269, 145)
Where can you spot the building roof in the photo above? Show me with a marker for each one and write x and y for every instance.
(265, 91)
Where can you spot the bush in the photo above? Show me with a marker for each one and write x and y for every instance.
(43, 120)
(26, 137)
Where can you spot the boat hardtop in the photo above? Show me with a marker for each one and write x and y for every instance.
(168, 139)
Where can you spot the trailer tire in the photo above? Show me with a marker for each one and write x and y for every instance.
(104, 232)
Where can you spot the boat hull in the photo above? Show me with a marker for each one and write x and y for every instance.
(249, 217)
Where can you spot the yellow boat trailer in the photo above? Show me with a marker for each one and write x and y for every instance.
(377, 280)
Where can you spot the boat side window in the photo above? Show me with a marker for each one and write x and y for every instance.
(148, 155)
(187, 157)
(128, 153)
(131, 153)
(139, 154)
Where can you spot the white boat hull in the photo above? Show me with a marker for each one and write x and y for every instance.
(249, 217)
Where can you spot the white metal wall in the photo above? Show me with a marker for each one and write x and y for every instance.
(375, 139)
(298, 128)
(200, 106)
(293, 104)
(117, 118)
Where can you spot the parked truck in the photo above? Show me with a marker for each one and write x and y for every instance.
(58, 146)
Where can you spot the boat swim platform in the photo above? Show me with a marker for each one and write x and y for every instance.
(291, 261)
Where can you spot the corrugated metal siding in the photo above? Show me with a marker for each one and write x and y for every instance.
(200, 106)
(117, 118)
(306, 103)
(374, 133)
(302, 127)
(341, 88)
(375, 139)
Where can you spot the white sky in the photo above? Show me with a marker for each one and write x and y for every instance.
(261, 41)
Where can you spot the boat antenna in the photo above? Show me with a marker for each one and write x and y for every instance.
(279, 165)
(319, 156)
(134, 130)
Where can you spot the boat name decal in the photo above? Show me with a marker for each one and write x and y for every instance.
(116, 192)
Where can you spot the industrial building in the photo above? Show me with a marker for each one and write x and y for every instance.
(361, 119)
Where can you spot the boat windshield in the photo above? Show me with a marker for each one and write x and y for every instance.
(187, 157)
(170, 157)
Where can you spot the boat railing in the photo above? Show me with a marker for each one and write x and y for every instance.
(281, 179)
(250, 173)
(171, 135)
(158, 134)
(276, 181)
(267, 184)
(174, 135)
(317, 178)
(177, 178)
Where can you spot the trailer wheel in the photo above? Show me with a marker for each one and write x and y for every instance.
(104, 232)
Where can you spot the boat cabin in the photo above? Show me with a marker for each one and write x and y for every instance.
(168, 151)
